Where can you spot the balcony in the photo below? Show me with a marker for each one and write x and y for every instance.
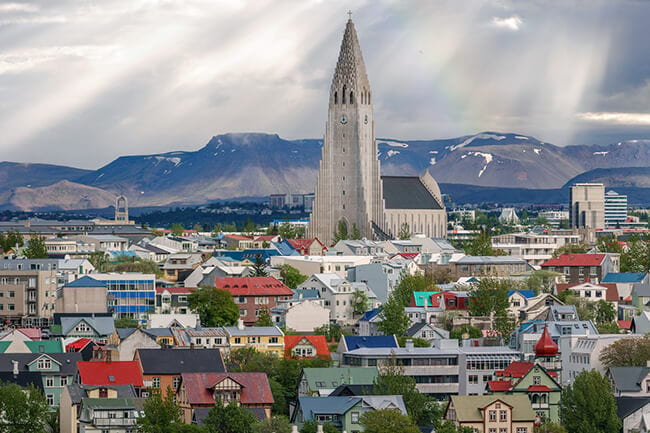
(114, 422)
(539, 405)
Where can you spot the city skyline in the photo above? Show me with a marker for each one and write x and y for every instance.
(148, 77)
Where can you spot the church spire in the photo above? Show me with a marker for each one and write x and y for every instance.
(350, 72)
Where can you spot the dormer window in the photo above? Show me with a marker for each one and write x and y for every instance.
(44, 364)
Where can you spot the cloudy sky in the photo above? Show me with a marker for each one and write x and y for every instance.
(84, 81)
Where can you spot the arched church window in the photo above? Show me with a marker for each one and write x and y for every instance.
(369, 97)
(343, 95)
(351, 97)
(336, 98)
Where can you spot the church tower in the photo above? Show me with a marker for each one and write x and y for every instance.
(349, 190)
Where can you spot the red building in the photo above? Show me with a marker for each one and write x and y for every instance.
(254, 294)
(581, 268)
(110, 373)
(306, 346)
(308, 247)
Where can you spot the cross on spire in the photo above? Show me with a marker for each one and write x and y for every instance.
(350, 15)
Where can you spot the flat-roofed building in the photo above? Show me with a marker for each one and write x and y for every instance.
(587, 205)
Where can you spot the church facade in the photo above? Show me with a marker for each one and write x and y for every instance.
(349, 193)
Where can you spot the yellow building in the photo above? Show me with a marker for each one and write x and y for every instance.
(262, 338)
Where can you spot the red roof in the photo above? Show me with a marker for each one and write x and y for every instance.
(175, 290)
(199, 387)
(110, 373)
(239, 237)
(303, 244)
(539, 388)
(253, 286)
(31, 333)
(546, 346)
(625, 324)
(267, 238)
(318, 341)
(611, 294)
(76, 346)
(499, 385)
(409, 256)
(517, 369)
(576, 260)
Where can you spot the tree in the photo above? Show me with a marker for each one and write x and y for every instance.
(471, 331)
(482, 246)
(359, 302)
(388, 421)
(571, 249)
(125, 322)
(250, 227)
(588, 405)
(341, 232)
(627, 352)
(36, 248)
(605, 312)
(356, 234)
(291, 276)
(549, 427)
(287, 231)
(450, 427)
(11, 240)
(394, 320)
(264, 319)
(541, 281)
(504, 325)
(391, 381)
(218, 228)
(215, 307)
(24, 410)
(490, 296)
(177, 229)
(231, 418)
(198, 227)
(98, 260)
(332, 331)
(404, 232)
(417, 342)
(312, 427)
(161, 414)
(259, 267)
(409, 284)
(275, 424)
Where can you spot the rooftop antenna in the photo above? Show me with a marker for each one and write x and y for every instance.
(350, 15)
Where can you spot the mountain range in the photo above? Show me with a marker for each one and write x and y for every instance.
(502, 167)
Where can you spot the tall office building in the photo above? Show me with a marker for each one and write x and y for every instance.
(587, 205)
(615, 208)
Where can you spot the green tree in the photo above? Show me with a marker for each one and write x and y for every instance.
(388, 421)
(98, 260)
(231, 418)
(356, 234)
(332, 331)
(409, 284)
(470, 331)
(394, 320)
(627, 352)
(450, 427)
(588, 405)
(605, 312)
(24, 410)
(404, 232)
(287, 231)
(177, 229)
(312, 427)
(275, 424)
(250, 227)
(490, 296)
(359, 302)
(549, 427)
(264, 319)
(161, 414)
(571, 249)
(198, 227)
(215, 307)
(341, 232)
(217, 229)
(291, 276)
(417, 342)
(11, 240)
(36, 248)
(504, 325)
(541, 281)
(125, 322)
(229, 228)
(482, 246)
(259, 267)
(391, 381)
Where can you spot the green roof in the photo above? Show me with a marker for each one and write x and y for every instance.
(421, 297)
(4, 345)
(468, 406)
(44, 346)
(330, 378)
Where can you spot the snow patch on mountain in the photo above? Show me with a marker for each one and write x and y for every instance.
(601, 153)
(474, 137)
(392, 153)
(174, 160)
(521, 137)
(394, 143)
(487, 157)
(432, 161)
(537, 151)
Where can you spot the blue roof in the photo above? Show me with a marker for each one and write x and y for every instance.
(624, 277)
(250, 254)
(285, 248)
(306, 294)
(376, 341)
(116, 254)
(85, 281)
(525, 293)
(311, 406)
(370, 314)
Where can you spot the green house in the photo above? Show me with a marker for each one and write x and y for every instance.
(316, 382)
(57, 370)
(533, 380)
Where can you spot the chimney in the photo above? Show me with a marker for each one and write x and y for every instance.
(240, 324)
(409, 345)
(15, 364)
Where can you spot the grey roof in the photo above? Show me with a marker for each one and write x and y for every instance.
(418, 326)
(253, 330)
(626, 406)
(311, 406)
(78, 391)
(407, 192)
(628, 379)
(492, 260)
(24, 379)
(177, 361)
(101, 325)
(68, 361)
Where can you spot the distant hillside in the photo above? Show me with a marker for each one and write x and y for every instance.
(63, 195)
(15, 174)
(616, 177)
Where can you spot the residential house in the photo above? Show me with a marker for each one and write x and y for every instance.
(641, 323)
(201, 337)
(306, 346)
(201, 390)
(308, 247)
(353, 342)
(627, 282)
(593, 292)
(581, 268)
(72, 408)
(84, 295)
(492, 413)
(66, 247)
(635, 414)
(240, 242)
(180, 265)
(104, 242)
(301, 315)
(544, 306)
(162, 368)
(518, 300)
(172, 300)
(320, 382)
(133, 339)
(180, 320)
(310, 265)
(381, 278)
(175, 244)
(368, 323)
(99, 327)
(254, 294)
(99, 373)
(343, 412)
(267, 339)
(148, 251)
(527, 334)
(55, 369)
(535, 248)
(359, 247)
(85, 346)
(493, 266)
(425, 331)
(582, 353)
(630, 381)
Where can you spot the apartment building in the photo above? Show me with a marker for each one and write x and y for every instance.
(130, 295)
(27, 297)
(532, 247)
(615, 208)
(587, 205)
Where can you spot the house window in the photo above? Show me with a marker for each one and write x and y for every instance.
(241, 300)
(64, 380)
(492, 415)
(492, 430)
(218, 341)
(44, 364)
(253, 340)
(537, 380)
(599, 294)
(199, 341)
(82, 327)
(103, 392)
(242, 312)
(472, 378)
(503, 415)
(50, 399)
(155, 382)
(354, 417)
(49, 381)
(175, 382)
(522, 429)
(503, 430)
(12, 294)
(273, 340)
(237, 340)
